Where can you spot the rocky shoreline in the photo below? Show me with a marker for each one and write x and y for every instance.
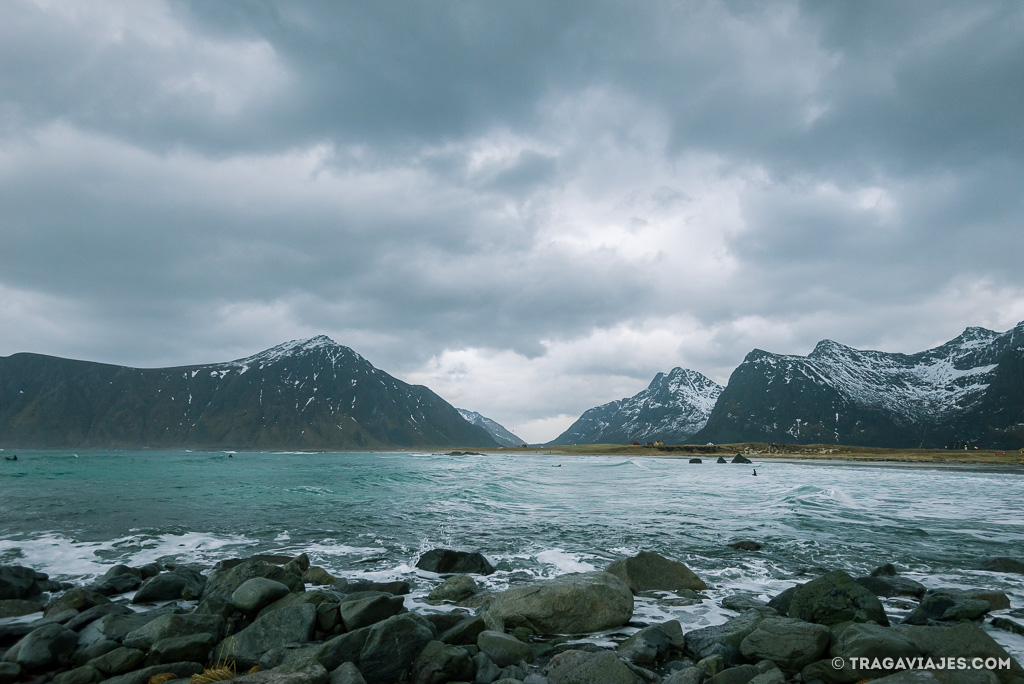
(278, 619)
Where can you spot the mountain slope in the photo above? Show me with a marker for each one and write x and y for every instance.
(306, 394)
(671, 409)
(496, 430)
(967, 391)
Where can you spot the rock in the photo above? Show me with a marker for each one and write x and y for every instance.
(181, 583)
(9, 672)
(892, 585)
(964, 639)
(173, 626)
(1008, 625)
(328, 619)
(887, 570)
(690, 675)
(96, 612)
(189, 647)
(179, 670)
(724, 640)
(464, 632)
(118, 584)
(503, 649)
(745, 545)
(347, 673)
(118, 661)
(18, 607)
(833, 598)
(909, 677)
(742, 602)
(740, 458)
(306, 672)
(646, 647)
(368, 610)
(396, 588)
(741, 674)
(780, 602)
(316, 597)
(18, 582)
(455, 588)
(340, 649)
(945, 607)
(871, 641)
(78, 599)
(115, 626)
(83, 655)
(439, 663)
(256, 593)
(568, 604)
(789, 643)
(392, 646)
(486, 670)
(770, 677)
(80, 675)
(1002, 564)
(444, 561)
(298, 565)
(223, 581)
(582, 667)
(318, 576)
(43, 648)
(711, 665)
(292, 624)
(997, 600)
(648, 570)
(721, 459)
(696, 460)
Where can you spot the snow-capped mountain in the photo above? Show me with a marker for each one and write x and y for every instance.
(305, 394)
(967, 391)
(498, 431)
(672, 409)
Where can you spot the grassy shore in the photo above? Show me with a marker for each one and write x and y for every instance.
(788, 451)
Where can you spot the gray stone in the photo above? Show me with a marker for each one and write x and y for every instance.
(181, 583)
(724, 639)
(347, 673)
(369, 610)
(114, 627)
(646, 647)
(503, 649)
(18, 607)
(742, 602)
(222, 582)
(741, 674)
(118, 661)
(173, 626)
(9, 672)
(83, 655)
(298, 565)
(316, 597)
(648, 570)
(455, 588)
(392, 646)
(886, 585)
(59, 618)
(711, 665)
(486, 670)
(1011, 565)
(1008, 625)
(256, 593)
(997, 600)
(770, 677)
(117, 584)
(293, 624)
(180, 670)
(583, 667)
(318, 576)
(19, 582)
(188, 647)
(834, 598)
(343, 648)
(569, 604)
(780, 602)
(306, 672)
(946, 607)
(690, 675)
(46, 647)
(95, 613)
(791, 644)
(825, 671)
(444, 561)
(964, 639)
(464, 632)
(867, 640)
(395, 588)
(77, 599)
(439, 662)
(79, 675)
(909, 677)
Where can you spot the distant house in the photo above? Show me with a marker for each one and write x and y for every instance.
(635, 443)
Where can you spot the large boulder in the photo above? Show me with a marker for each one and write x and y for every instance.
(293, 624)
(584, 667)
(740, 458)
(725, 640)
(19, 582)
(18, 607)
(180, 583)
(305, 672)
(77, 599)
(115, 626)
(439, 662)
(179, 670)
(392, 646)
(222, 582)
(648, 570)
(789, 643)
(568, 604)
(167, 626)
(256, 593)
(946, 607)
(647, 646)
(43, 648)
(367, 610)
(118, 661)
(455, 588)
(503, 649)
(445, 561)
(834, 598)
(892, 585)
(966, 640)
(871, 642)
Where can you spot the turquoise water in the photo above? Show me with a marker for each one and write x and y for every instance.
(372, 514)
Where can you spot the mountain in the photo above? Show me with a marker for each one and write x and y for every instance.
(671, 409)
(305, 394)
(495, 429)
(967, 391)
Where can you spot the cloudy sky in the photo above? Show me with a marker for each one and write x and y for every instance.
(530, 207)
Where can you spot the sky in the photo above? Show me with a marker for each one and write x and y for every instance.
(529, 207)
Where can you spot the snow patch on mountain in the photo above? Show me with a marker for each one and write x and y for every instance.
(501, 435)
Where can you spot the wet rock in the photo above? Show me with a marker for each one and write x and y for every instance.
(179, 670)
(95, 613)
(455, 588)
(997, 600)
(80, 675)
(1003, 564)
(298, 565)
(569, 604)
(340, 649)
(789, 643)
(256, 593)
(646, 647)
(19, 582)
(115, 626)
(503, 649)
(887, 570)
(690, 675)
(724, 640)
(944, 607)
(781, 601)
(892, 585)
(648, 570)
(83, 655)
(77, 599)
(771, 677)
(396, 588)
(575, 667)
(9, 672)
(293, 624)
(740, 458)
(486, 670)
(315, 597)
(696, 460)
(964, 639)
(43, 648)
(439, 663)
(347, 673)
(392, 646)
(222, 582)
(18, 607)
(445, 561)
(307, 672)
(167, 626)
(368, 610)
(188, 647)
(742, 602)
(180, 583)
(464, 632)
(1008, 625)
(318, 576)
(124, 580)
(118, 661)
(871, 641)
(741, 674)
(745, 545)
(909, 677)
(721, 459)
(834, 598)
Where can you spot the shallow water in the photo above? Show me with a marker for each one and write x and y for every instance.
(72, 515)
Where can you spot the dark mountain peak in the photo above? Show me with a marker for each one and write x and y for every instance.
(319, 346)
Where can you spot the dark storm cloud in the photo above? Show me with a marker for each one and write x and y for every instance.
(561, 199)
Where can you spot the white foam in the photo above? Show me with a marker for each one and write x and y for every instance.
(564, 562)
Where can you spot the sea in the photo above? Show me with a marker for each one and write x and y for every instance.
(73, 514)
